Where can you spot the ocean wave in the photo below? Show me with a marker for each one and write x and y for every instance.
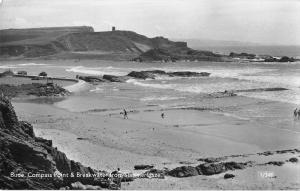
(98, 70)
(8, 66)
(159, 86)
(78, 87)
(97, 89)
(33, 64)
(160, 98)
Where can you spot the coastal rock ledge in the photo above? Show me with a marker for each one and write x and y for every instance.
(30, 162)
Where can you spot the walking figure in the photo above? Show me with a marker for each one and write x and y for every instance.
(163, 115)
(295, 113)
(298, 113)
(125, 114)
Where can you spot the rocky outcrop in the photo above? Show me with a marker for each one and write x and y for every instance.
(113, 78)
(6, 73)
(282, 59)
(211, 168)
(151, 74)
(29, 162)
(207, 169)
(293, 160)
(143, 167)
(212, 159)
(92, 79)
(188, 74)
(173, 54)
(242, 55)
(275, 163)
(34, 89)
(184, 171)
(227, 176)
(142, 75)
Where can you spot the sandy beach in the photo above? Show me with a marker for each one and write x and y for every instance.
(181, 138)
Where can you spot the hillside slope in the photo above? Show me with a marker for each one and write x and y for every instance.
(83, 42)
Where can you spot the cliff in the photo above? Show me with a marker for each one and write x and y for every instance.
(83, 42)
(30, 162)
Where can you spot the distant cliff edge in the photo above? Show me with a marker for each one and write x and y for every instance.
(83, 42)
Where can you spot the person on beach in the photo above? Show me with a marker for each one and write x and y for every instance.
(295, 113)
(298, 113)
(125, 114)
(163, 115)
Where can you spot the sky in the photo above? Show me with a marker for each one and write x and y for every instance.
(262, 21)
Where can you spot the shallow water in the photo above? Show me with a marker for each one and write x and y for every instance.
(170, 92)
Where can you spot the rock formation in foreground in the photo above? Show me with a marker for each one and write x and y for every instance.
(34, 89)
(30, 162)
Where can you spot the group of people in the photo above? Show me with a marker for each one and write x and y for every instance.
(125, 114)
(297, 113)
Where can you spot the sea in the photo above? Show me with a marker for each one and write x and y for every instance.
(171, 92)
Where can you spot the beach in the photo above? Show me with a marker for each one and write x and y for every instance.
(89, 127)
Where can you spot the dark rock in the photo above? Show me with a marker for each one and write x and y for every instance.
(286, 59)
(6, 73)
(276, 163)
(143, 167)
(159, 72)
(82, 138)
(212, 159)
(142, 75)
(188, 74)
(282, 59)
(183, 171)
(43, 74)
(226, 176)
(35, 89)
(242, 55)
(222, 94)
(92, 79)
(22, 73)
(44, 141)
(293, 159)
(234, 165)
(266, 153)
(211, 168)
(112, 78)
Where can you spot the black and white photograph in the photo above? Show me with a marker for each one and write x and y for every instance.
(149, 94)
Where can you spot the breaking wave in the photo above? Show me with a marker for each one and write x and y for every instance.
(33, 64)
(160, 98)
(98, 70)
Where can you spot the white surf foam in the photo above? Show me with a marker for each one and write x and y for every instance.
(78, 87)
(160, 98)
(98, 70)
(159, 86)
(33, 64)
(97, 89)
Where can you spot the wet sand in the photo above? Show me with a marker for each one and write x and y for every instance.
(107, 142)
